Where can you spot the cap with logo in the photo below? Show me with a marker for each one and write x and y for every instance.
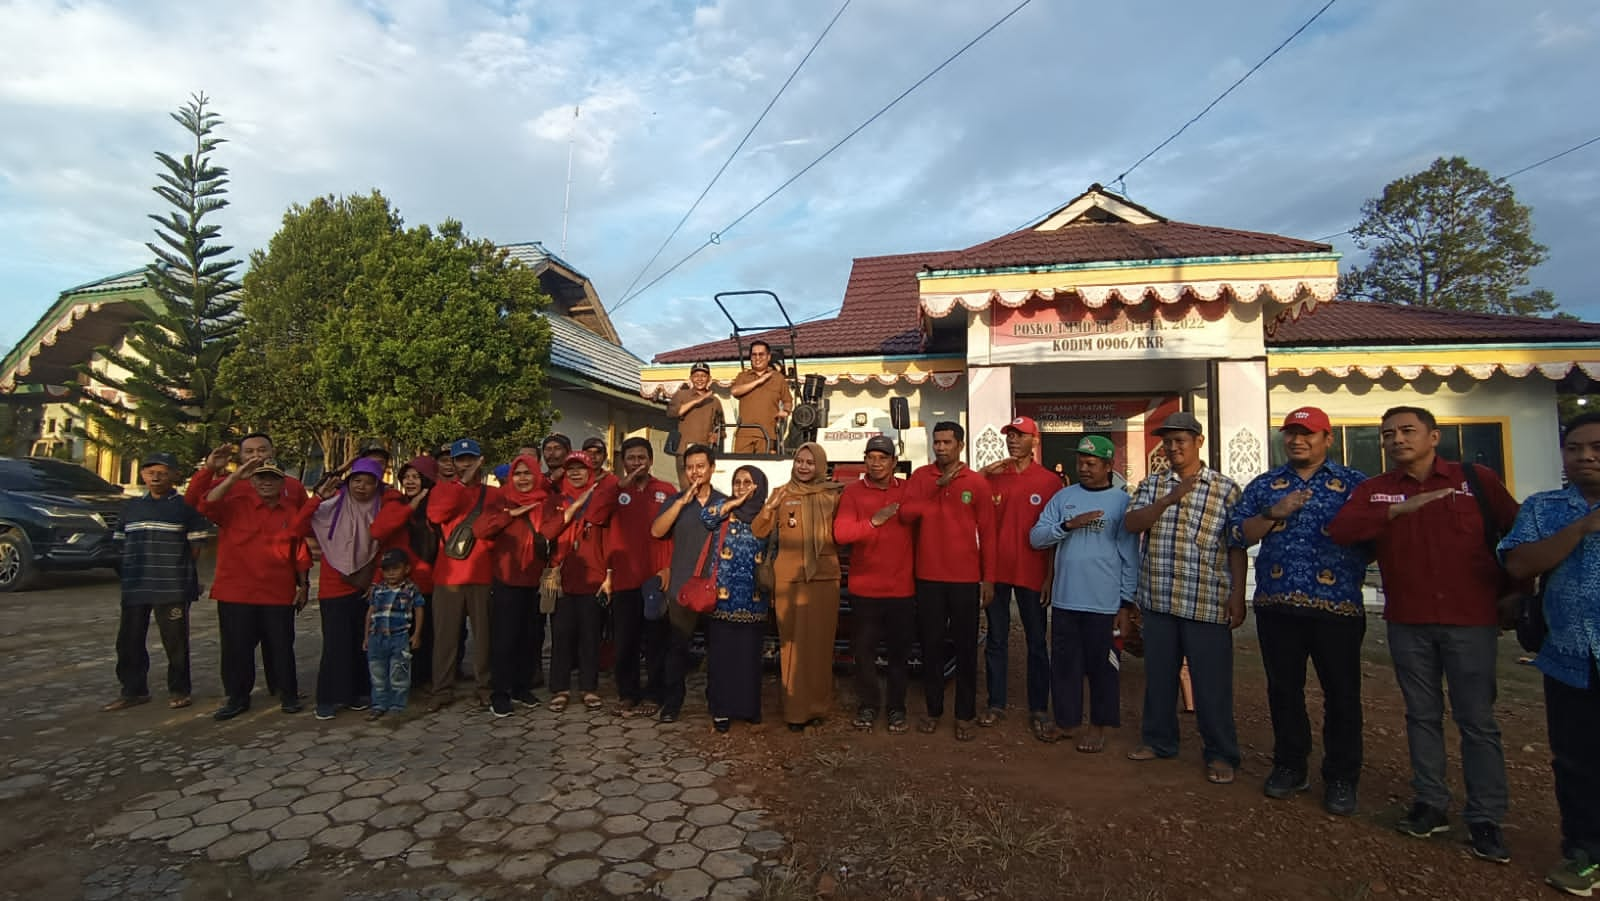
(1022, 425)
(1312, 419)
(465, 447)
(1180, 421)
(883, 444)
(393, 557)
(1097, 446)
(578, 460)
(269, 468)
(159, 458)
(594, 441)
(701, 366)
(558, 438)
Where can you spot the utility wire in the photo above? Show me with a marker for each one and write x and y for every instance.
(716, 236)
(735, 153)
(1504, 178)
(1121, 180)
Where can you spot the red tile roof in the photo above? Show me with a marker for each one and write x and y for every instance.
(1344, 322)
(1095, 242)
(881, 316)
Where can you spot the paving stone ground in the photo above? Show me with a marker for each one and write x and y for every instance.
(456, 800)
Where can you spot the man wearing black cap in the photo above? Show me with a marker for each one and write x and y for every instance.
(161, 535)
(554, 453)
(697, 410)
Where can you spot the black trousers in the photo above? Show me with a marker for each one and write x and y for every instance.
(133, 658)
(1573, 718)
(1081, 647)
(636, 637)
(422, 657)
(241, 628)
(513, 655)
(892, 622)
(575, 631)
(948, 613)
(342, 675)
(1333, 645)
(681, 622)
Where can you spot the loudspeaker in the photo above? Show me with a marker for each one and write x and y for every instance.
(899, 413)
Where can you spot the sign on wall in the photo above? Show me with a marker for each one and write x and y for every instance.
(1065, 330)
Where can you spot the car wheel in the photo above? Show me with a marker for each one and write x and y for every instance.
(16, 564)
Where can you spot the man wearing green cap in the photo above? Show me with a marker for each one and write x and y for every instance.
(1096, 574)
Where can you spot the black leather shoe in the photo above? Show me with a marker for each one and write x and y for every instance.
(293, 706)
(1339, 798)
(668, 716)
(722, 724)
(229, 710)
(1284, 783)
(1488, 842)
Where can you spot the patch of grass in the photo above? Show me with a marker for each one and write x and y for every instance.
(784, 882)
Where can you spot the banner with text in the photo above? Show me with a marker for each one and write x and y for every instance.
(1065, 330)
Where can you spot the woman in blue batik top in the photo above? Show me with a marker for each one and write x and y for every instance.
(736, 629)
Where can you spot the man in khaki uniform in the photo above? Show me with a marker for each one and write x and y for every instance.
(697, 410)
(764, 401)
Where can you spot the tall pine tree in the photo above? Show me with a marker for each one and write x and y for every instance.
(165, 370)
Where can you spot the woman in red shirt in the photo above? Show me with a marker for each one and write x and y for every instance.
(406, 526)
(579, 550)
(511, 519)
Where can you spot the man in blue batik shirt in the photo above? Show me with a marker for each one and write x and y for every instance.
(1555, 536)
(1308, 605)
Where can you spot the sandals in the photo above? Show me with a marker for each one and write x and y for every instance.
(928, 725)
(865, 719)
(1143, 752)
(592, 701)
(1219, 773)
(964, 730)
(991, 717)
(1092, 744)
(1049, 733)
(179, 702)
(647, 709)
(897, 722)
(559, 702)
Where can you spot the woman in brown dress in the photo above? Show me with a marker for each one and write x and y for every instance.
(807, 579)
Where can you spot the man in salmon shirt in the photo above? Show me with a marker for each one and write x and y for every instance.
(260, 582)
(461, 586)
(510, 523)
(579, 551)
(1021, 489)
(953, 513)
(627, 506)
(882, 589)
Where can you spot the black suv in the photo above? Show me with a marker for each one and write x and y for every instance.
(56, 516)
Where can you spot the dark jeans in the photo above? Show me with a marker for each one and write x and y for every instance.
(947, 612)
(1333, 645)
(240, 628)
(681, 622)
(342, 675)
(1081, 647)
(1426, 659)
(133, 658)
(634, 636)
(513, 658)
(997, 641)
(892, 621)
(1168, 640)
(576, 625)
(1573, 718)
(422, 657)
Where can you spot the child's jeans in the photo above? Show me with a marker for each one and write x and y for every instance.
(389, 663)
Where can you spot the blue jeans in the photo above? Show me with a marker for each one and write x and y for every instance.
(1426, 660)
(995, 646)
(1168, 640)
(389, 664)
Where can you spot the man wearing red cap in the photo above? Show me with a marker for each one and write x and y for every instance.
(1021, 488)
(1308, 606)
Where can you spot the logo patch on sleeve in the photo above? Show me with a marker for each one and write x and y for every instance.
(966, 497)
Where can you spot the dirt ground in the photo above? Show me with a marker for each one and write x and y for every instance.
(925, 817)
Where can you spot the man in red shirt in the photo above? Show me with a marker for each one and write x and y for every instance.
(461, 584)
(627, 507)
(254, 446)
(261, 581)
(882, 589)
(953, 513)
(1021, 489)
(1441, 583)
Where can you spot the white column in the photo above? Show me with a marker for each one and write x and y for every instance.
(989, 405)
(1238, 394)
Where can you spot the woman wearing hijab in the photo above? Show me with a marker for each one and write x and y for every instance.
(406, 526)
(807, 597)
(578, 549)
(737, 627)
(511, 519)
(337, 523)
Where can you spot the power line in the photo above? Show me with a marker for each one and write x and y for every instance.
(1504, 178)
(1121, 180)
(735, 153)
(716, 236)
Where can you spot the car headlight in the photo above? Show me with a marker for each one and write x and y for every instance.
(52, 511)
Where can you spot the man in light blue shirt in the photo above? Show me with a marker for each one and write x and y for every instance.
(1096, 574)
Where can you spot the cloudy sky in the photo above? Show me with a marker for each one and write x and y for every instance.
(465, 109)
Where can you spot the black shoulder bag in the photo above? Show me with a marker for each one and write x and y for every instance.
(1520, 610)
(459, 545)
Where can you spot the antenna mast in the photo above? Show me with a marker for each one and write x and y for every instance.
(566, 204)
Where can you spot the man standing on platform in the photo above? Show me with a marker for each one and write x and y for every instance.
(764, 403)
(697, 411)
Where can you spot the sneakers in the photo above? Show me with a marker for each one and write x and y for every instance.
(292, 705)
(359, 704)
(500, 706)
(1577, 875)
(1284, 783)
(1423, 821)
(1339, 798)
(1488, 842)
(526, 698)
(325, 712)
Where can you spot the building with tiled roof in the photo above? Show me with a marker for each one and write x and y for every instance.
(1106, 317)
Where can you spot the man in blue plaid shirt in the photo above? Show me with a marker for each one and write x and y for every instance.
(1191, 592)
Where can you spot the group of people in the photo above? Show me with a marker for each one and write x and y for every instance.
(564, 545)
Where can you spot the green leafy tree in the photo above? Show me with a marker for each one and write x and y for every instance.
(165, 369)
(292, 289)
(1449, 237)
(441, 336)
